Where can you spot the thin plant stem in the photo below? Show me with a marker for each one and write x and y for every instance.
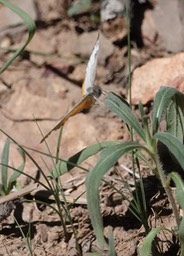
(128, 10)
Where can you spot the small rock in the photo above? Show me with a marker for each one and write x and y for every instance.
(45, 97)
(147, 79)
(44, 233)
(148, 29)
(5, 42)
(112, 9)
(65, 43)
(168, 17)
(40, 43)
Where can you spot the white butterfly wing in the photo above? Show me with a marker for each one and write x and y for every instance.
(88, 83)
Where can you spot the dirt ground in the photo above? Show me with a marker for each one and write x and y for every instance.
(42, 84)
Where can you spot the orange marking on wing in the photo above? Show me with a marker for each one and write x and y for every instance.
(85, 103)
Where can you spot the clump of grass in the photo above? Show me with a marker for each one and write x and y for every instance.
(8, 183)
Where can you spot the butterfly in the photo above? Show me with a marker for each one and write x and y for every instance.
(89, 92)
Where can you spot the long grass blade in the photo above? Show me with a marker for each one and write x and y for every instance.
(179, 188)
(146, 248)
(121, 108)
(4, 161)
(31, 29)
(107, 159)
(20, 168)
(173, 144)
(175, 116)
(181, 236)
(162, 101)
(75, 160)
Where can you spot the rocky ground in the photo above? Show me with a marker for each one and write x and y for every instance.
(46, 80)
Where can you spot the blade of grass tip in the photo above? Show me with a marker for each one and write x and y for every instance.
(49, 182)
(77, 6)
(47, 146)
(121, 108)
(20, 169)
(146, 248)
(58, 144)
(161, 102)
(31, 29)
(4, 161)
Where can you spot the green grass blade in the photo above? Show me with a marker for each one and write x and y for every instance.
(181, 236)
(121, 108)
(31, 29)
(26, 237)
(4, 161)
(162, 101)
(112, 251)
(63, 167)
(78, 6)
(58, 145)
(93, 254)
(19, 170)
(107, 159)
(175, 116)
(145, 248)
(38, 167)
(174, 145)
(179, 188)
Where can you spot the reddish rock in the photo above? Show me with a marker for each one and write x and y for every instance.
(148, 78)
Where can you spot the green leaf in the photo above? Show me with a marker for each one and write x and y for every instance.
(93, 254)
(181, 236)
(121, 108)
(58, 144)
(78, 158)
(31, 29)
(18, 171)
(107, 159)
(162, 101)
(175, 116)
(2, 191)
(4, 161)
(79, 6)
(179, 188)
(174, 145)
(112, 251)
(145, 248)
